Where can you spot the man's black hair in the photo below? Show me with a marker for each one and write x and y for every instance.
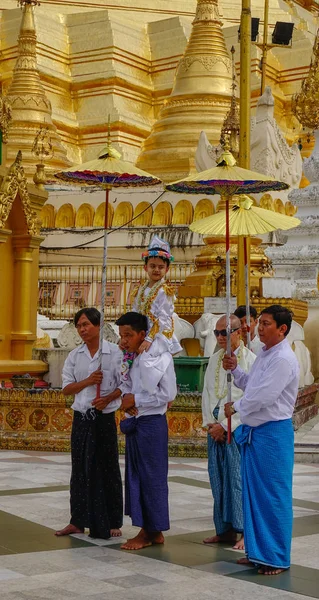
(280, 314)
(165, 260)
(93, 314)
(240, 311)
(137, 321)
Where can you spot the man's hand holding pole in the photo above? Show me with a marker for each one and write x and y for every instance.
(229, 364)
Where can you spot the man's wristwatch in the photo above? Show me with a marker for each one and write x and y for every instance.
(232, 409)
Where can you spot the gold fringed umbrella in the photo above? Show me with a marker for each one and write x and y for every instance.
(106, 172)
(244, 219)
(226, 179)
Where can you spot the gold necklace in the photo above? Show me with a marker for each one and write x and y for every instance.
(223, 393)
(144, 304)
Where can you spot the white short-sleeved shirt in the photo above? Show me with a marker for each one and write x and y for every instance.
(80, 364)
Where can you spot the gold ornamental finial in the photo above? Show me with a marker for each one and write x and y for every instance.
(42, 146)
(207, 10)
(5, 118)
(226, 159)
(109, 151)
(43, 150)
(305, 103)
(230, 128)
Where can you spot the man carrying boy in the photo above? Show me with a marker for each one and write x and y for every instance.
(146, 392)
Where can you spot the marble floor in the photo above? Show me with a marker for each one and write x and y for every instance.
(35, 565)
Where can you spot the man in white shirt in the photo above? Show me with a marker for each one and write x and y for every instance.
(267, 441)
(255, 343)
(149, 387)
(96, 496)
(223, 458)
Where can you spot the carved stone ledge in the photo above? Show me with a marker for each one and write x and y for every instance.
(308, 196)
(305, 254)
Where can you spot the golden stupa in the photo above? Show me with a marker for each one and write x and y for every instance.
(199, 100)
(30, 107)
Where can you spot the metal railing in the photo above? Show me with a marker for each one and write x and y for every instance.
(63, 290)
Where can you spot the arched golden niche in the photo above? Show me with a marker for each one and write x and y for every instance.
(48, 213)
(65, 216)
(204, 208)
(267, 202)
(163, 213)
(290, 209)
(142, 215)
(48, 216)
(123, 214)
(99, 216)
(84, 216)
(279, 206)
(183, 213)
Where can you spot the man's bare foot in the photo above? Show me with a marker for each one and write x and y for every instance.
(229, 536)
(157, 537)
(240, 545)
(141, 540)
(116, 533)
(268, 570)
(244, 561)
(69, 530)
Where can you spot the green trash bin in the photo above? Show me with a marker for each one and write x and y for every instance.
(190, 372)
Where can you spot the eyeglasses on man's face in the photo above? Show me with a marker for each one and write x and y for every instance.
(223, 332)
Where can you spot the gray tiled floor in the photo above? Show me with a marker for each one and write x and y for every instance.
(35, 565)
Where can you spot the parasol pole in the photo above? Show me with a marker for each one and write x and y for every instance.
(228, 324)
(244, 132)
(103, 285)
(247, 291)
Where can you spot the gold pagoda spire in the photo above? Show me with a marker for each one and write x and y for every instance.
(305, 103)
(199, 100)
(30, 106)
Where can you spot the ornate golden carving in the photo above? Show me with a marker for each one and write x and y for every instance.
(230, 129)
(29, 103)
(43, 149)
(5, 117)
(305, 104)
(207, 10)
(15, 183)
(209, 101)
(208, 62)
(22, 3)
(42, 146)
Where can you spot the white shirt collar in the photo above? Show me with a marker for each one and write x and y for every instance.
(275, 347)
(105, 349)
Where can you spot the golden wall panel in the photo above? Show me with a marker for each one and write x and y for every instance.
(43, 421)
(126, 67)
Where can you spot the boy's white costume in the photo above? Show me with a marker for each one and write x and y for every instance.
(157, 304)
